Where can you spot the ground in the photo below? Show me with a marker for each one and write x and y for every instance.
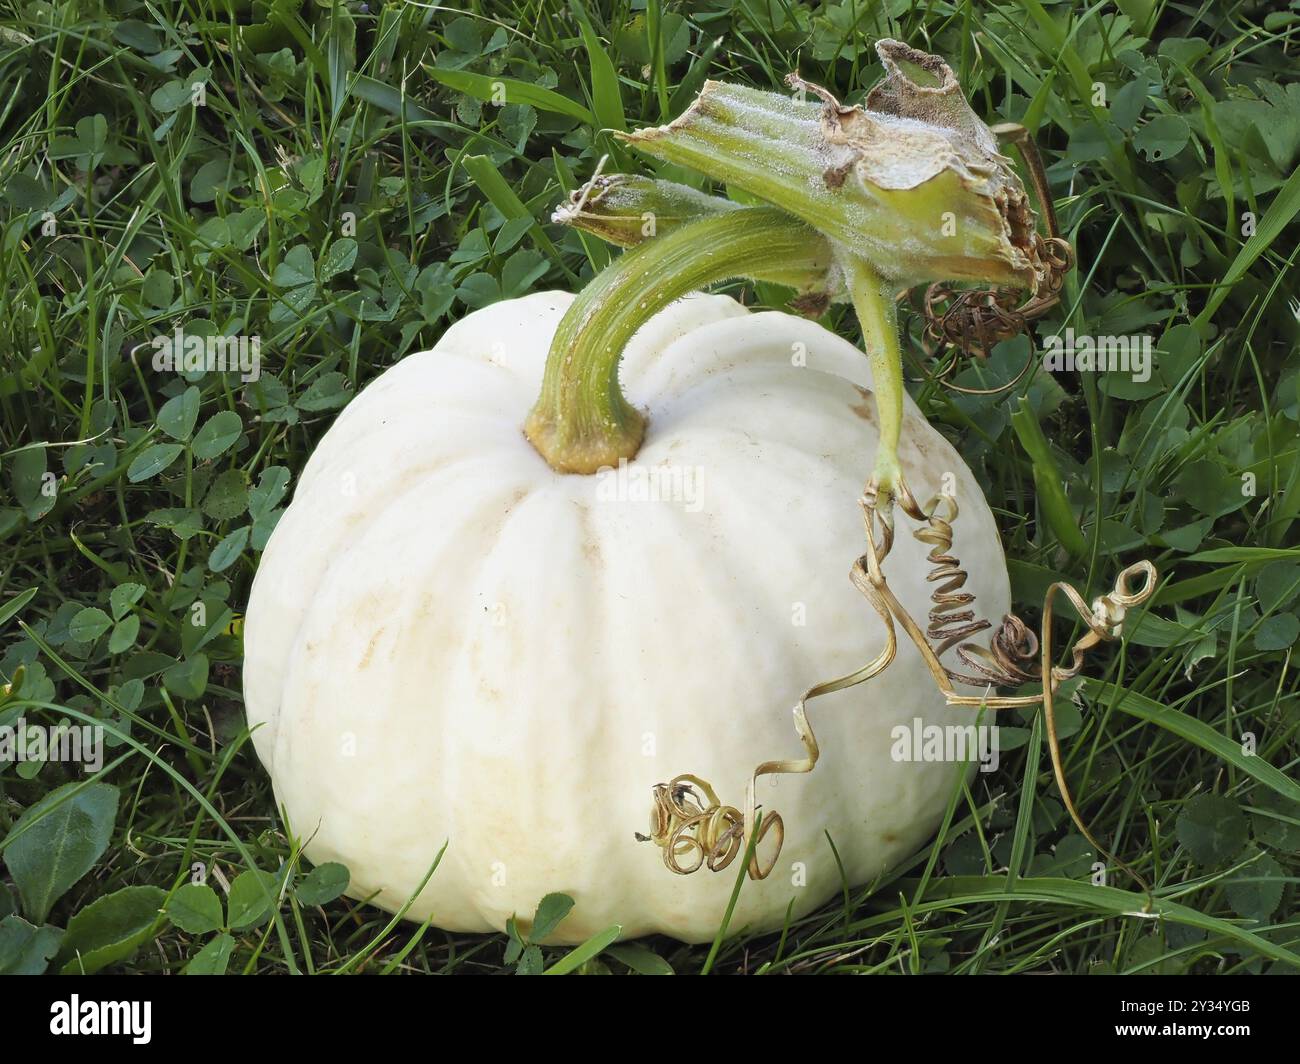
(342, 182)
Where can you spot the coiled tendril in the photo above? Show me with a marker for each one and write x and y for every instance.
(689, 819)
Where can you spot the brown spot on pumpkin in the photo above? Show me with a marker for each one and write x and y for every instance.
(867, 408)
(888, 836)
(590, 542)
(919, 439)
(370, 649)
(519, 496)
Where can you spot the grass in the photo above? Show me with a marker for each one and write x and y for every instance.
(346, 180)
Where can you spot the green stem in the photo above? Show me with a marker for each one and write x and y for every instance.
(629, 210)
(877, 309)
(582, 422)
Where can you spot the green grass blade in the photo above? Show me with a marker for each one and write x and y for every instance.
(508, 90)
(1193, 731)
(580, 955)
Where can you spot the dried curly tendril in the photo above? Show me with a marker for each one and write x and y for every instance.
(689, 819)
(1006, 661)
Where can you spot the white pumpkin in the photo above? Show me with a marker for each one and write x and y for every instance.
(449, 641)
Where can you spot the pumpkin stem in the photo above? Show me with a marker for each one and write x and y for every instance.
(582, 422)
(628, 210)
(877, 310)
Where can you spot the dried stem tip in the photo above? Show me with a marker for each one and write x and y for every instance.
(913, 183)
(628, 210)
